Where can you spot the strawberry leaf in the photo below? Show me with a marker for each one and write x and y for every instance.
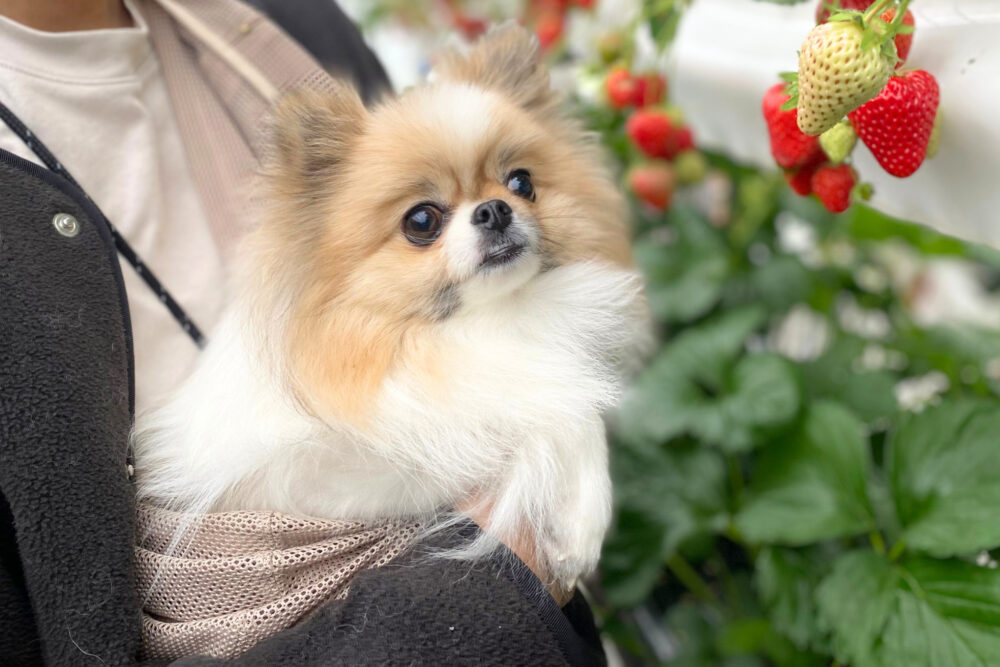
(791, 80)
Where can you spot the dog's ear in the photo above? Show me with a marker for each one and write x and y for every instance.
(312, 133)
(505, 60)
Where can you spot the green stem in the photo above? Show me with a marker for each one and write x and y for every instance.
(897, 550)
(876, 9)
(688, 576)
(897, 20)
(735, 477)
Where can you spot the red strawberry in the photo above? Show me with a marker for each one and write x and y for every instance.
(653, 133)
(548, 28)
(684, 139)
(649, 89)
(903, 42)
(468, 26)
(620, 87)
(833, 185)
(896, 126)
(801, 179)
(653, 184)
(790, 146)
(822, 13)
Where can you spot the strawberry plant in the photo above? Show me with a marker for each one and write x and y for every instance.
(806, 471)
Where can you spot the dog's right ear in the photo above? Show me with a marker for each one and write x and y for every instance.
(313, 132)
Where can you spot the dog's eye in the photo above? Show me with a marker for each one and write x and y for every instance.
(422, 224)
(519, 182)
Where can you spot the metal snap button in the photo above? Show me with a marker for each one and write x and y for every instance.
(66, 224)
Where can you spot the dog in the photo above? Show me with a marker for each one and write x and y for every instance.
(437, 310)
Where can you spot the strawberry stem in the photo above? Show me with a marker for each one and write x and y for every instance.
(897, 20)
(876, 9)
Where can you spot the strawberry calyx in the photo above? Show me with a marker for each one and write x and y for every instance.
(875, 32)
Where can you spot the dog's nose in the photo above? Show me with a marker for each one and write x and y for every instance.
(494, 214)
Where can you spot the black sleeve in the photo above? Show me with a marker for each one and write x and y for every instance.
(323, 29)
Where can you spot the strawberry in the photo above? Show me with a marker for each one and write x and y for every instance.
(789, 146)
(896, 126)
(653, 183)
(471, 28)
(654, 134)
(801, 178)
(548, 28)
(823, 11)
(838, 141)
(683, 138)
(833, 185)
(903, 41)
(690, 166)
(583, 4)
(609, 46)
(620, 87)
(650, 89)
(836, 75)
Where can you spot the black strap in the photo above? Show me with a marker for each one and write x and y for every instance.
(123, 247)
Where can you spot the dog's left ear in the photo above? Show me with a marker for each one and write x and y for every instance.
(505, 60)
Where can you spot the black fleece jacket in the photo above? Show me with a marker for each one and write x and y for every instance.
(67, 592)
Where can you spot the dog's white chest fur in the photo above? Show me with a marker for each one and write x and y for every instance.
(513, 413)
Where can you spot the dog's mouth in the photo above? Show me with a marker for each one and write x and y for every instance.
(503, 255)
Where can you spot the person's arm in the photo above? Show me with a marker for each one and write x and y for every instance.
(427, 610)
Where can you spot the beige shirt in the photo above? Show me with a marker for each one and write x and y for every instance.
(99, 101)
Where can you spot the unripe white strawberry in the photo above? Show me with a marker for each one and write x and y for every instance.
(837, 75)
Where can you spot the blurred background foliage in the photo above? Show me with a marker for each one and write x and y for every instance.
(808, 470)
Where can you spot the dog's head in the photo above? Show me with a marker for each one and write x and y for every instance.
(387, 222)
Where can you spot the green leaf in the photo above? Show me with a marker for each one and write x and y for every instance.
(868, 394)
(700, 355)
(855, 601)
(811, 485)
(694, 387)
(632, 561)
(945, 475)
(919, 613)
(684, 279)
(664, 497)
(865, 223)
(763, 391)
(786, 580)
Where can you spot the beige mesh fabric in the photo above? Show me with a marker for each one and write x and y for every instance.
(235, 578)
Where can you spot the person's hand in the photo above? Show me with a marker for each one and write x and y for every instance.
(523, 546)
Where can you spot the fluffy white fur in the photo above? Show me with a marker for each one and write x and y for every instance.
(518, 415)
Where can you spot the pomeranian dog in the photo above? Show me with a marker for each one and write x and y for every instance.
(437, 308)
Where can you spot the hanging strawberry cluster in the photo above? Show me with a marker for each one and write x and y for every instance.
(659, 134)
(546, 17)
(851, 84)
